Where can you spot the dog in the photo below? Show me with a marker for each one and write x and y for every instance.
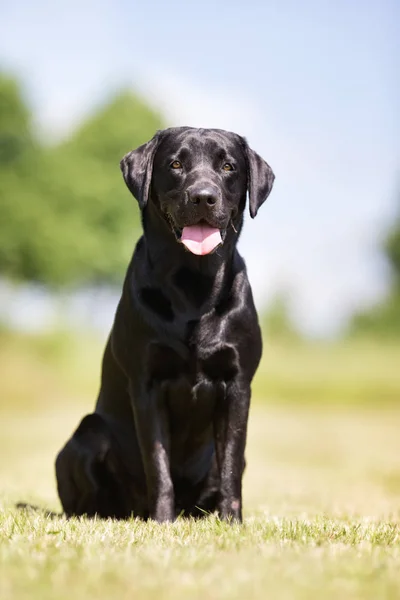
(168, 433)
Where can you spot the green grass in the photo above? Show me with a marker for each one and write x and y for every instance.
(266, 558)
(321, 489)
(322, 514)
(358, 372)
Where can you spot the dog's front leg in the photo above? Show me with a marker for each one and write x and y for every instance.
(153, 434)
(230, 429)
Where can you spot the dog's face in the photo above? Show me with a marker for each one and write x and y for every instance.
(198, 179)
(200, 182)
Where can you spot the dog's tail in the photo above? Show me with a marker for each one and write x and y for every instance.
(26, 506)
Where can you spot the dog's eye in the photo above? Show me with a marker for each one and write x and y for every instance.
(176, 164)
(227, 167)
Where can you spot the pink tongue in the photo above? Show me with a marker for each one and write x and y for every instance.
(201, 239)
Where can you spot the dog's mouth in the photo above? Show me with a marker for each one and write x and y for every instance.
(200, 239)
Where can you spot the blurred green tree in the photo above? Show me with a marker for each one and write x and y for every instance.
(392, 248)
(384, 320)
(66, 218)
(16, 137)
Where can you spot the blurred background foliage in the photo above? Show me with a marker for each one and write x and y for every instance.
(66, 220)
(53, 196)
(384, 320)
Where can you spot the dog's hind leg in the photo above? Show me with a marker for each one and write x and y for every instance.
(91, 477)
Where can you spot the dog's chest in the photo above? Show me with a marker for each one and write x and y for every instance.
(192, 365)
(191, 384)
(192, 405)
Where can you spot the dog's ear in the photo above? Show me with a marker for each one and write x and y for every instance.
(137, 169)
(260, 179)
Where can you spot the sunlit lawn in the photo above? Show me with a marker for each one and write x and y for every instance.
(322, 501)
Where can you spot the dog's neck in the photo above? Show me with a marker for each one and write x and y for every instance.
(164, 252)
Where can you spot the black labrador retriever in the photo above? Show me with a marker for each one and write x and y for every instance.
(168, 433)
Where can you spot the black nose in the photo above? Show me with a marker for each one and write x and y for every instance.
(204, 197)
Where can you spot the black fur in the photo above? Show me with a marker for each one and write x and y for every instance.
(168, 433)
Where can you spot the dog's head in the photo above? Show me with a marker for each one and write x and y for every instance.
(198, 179)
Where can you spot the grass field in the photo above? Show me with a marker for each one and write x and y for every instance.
(321, 491)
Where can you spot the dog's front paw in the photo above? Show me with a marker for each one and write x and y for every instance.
(230, 509)
(163, 516)
(164, 510)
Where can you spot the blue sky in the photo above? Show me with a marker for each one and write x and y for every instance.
(313, 85)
